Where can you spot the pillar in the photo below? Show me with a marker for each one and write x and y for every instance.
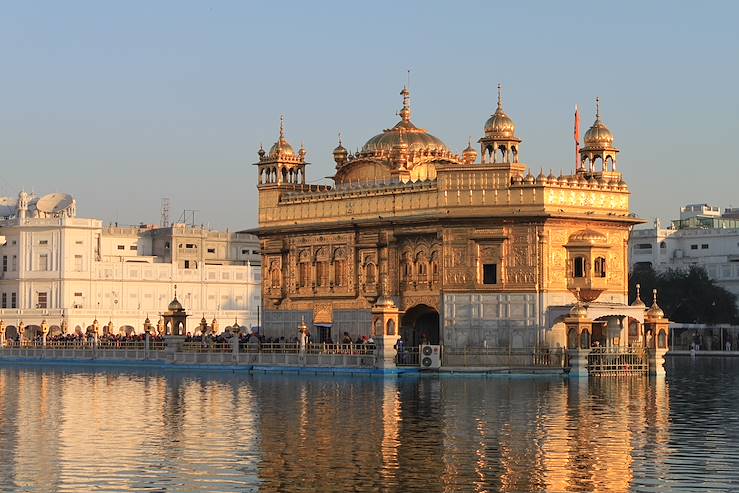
(385, 329)
(578, 348)
(657, 344)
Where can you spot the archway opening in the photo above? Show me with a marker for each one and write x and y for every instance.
(420, 325)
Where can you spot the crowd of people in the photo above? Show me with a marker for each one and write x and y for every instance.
(249, 340)
(260, 342)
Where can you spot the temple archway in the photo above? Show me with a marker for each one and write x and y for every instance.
(420, 324)
(11, 333)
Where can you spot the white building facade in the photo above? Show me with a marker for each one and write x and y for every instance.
(69, 271)
(703, 236)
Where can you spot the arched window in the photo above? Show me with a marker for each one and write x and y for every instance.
(662, 339)
(584, 339)
(579, 267)
(422, 271)
(274, 273)
(600, 267)
(370, 273)
(303, 269)
(322, 273)
(339, 267)
(572, 339)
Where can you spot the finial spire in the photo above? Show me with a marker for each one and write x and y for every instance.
(339, 138)
(282, 127)
(405, 113)
(638, 291)
(500, 97)
(654, 296)
(175, 291)
(597, 108)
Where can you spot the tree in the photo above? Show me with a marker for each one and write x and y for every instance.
(687, 296)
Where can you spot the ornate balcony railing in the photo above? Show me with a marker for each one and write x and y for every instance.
(607, 361)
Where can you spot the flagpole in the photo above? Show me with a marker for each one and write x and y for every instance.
(578, 164)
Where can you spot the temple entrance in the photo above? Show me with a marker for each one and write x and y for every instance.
(420, 325)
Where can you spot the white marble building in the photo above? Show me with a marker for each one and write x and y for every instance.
(703, 236)
(69, 270)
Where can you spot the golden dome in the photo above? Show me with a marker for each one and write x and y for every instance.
(598, 136)
(638, 301)
(500, 125)
(174, 305)
(404, 134)
(655, 311)
(281, 148)
(587, 236)
(578, 311)
(469, 154)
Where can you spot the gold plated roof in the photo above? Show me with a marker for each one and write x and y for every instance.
(598, 135)
(281, 148)
(404, 133)
(500, 125)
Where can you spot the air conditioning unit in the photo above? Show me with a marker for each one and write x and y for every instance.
(430, 356)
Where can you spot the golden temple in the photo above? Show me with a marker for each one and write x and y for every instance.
(455, 250)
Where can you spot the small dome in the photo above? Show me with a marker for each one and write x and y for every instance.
(587, 236)
(469, 154)
(405, 135)
(281, 148)
(551, 178)
(500, 125)
(340, 150)
(655, 311)
(174, 305)
(529, 178)
(578, 311)
(598, 136)
(540, 178)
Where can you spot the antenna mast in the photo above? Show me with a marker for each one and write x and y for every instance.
(164, 221)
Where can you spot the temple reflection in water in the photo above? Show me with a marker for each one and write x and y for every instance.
(124, 431)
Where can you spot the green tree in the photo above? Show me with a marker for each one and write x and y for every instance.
(687, 296)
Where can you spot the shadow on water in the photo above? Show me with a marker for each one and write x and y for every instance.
(151, 430)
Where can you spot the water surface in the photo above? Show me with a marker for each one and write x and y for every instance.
(86, 429)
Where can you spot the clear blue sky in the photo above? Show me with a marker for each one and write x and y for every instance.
(122, 103)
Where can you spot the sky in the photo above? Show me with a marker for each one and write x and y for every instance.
(123, 103)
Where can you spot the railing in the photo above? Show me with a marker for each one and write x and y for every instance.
(156, 345)
(504, 357)
(207, 347)
(607, 361)
(407, 356)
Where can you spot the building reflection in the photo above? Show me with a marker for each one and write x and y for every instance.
(184, 431)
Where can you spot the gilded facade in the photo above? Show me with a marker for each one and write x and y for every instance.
(473, 249)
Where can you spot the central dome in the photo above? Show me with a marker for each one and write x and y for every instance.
(405, 134)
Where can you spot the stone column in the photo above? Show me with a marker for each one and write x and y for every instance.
(385, 328)
(658, 326)
(579, 331)
(2, 333)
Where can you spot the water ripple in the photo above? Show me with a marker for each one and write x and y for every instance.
(117, 430)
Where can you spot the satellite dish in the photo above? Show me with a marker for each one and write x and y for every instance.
(8, 206)
(54, 203)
